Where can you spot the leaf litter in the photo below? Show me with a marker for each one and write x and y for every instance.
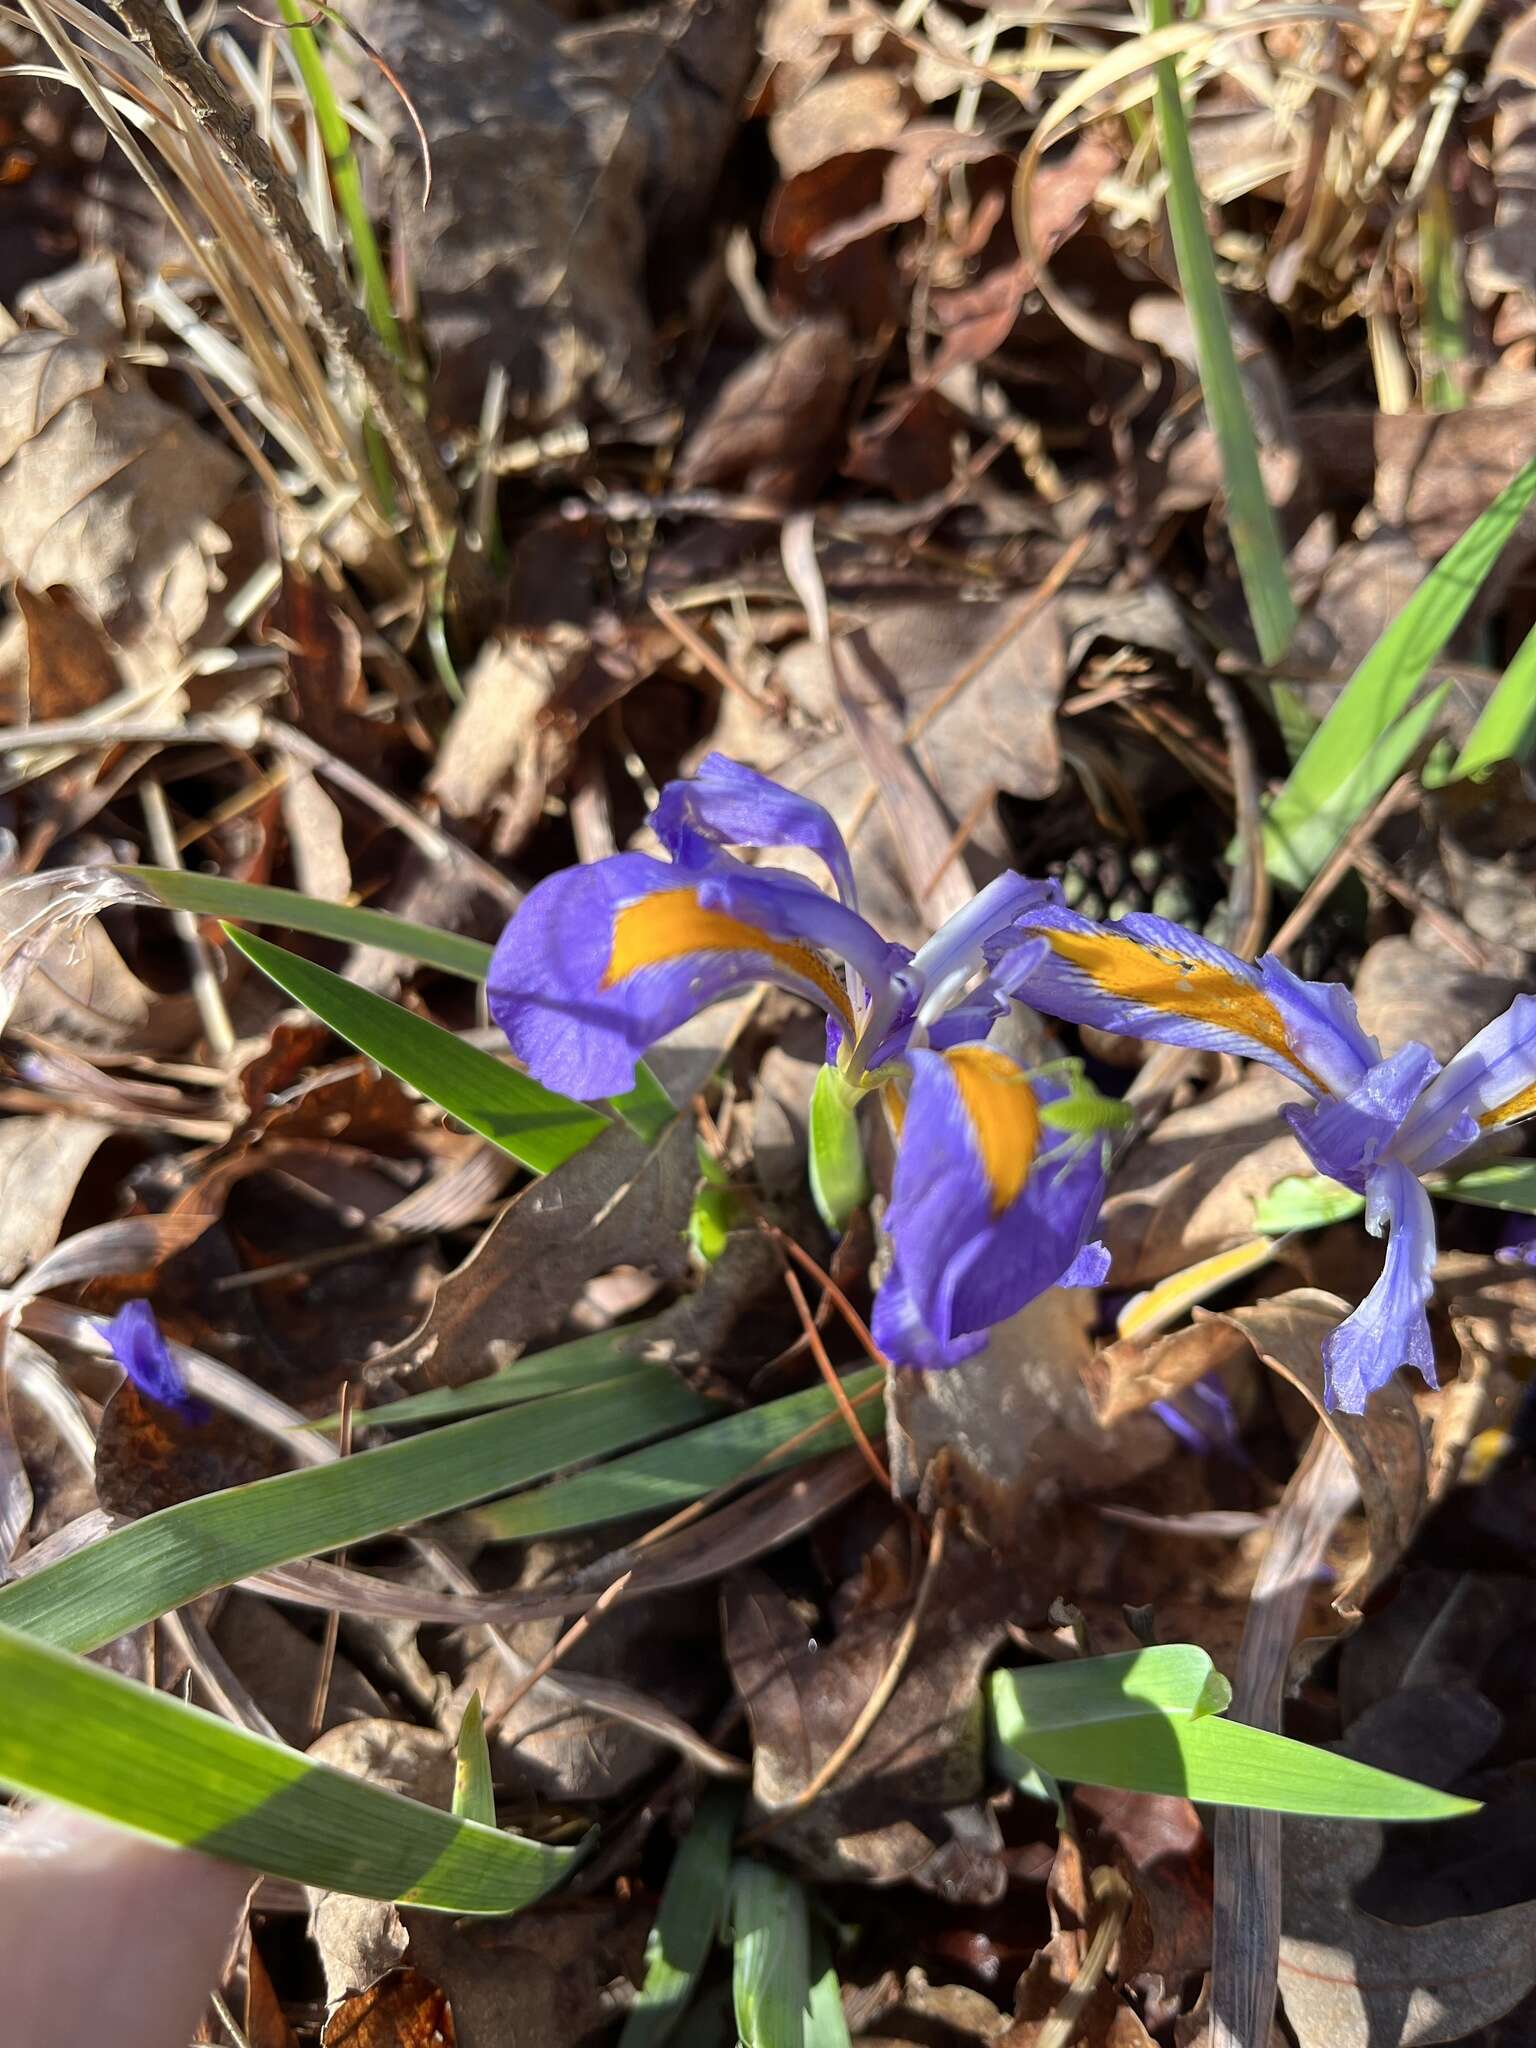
(778, 424)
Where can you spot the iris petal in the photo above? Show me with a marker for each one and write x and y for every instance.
(1151, 979)
(1346, 1139)
(982, 1220)
(729, 804)
(1491, 1082)
(1390, 1327)
(600, 962)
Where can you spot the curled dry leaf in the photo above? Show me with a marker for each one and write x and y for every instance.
(1385, 1446)
(1503, 258)
(500, 751)
(106, 491)
(843, 115)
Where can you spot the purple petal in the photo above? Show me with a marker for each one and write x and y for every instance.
(1346, 1139)
(583, 988)
(728, 804)
(1491, 1082)
(1390, 1327)
(981, 1220)
(1151, 979)
(139, 1346)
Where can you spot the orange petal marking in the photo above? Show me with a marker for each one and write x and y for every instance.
(1523, 1104)
(1004, 1116)
(1165, 980)
(673, 923)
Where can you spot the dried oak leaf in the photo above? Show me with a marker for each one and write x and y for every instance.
(403, 2010)
(42, 1159)
(70, 667)
(906, 1808)
(106, 491)
(1350, 1979)
(628, 119)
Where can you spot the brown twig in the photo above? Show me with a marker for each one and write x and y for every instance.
(835, 1387)
(878, 1700)
(1344, 856)
(557, 1650)
(341, 322)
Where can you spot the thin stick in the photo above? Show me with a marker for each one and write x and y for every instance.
(217, 1028)
(835, 1386)
(553, 1655)
(878, 1700)
(703, 653)
(276, 203)
(1343, 858)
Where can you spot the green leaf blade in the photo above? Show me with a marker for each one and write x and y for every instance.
(770, 1957)
(1506, 727)
(539, 1129)
(687, 1923)
(77, 1733)
(474, 1790)
(169, 1558)
(1151, 1722)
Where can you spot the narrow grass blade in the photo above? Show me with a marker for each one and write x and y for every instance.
(171, 1557)
(1309, 1201)
(538, 1128)
(1255, 532)
(1510, 1185)
(684, 1932)
(839, 1177)
(1506, 730)
(1443, 331)
(346, 177)
(1370, 733)
(647, 1108)
(1151, 1721)
(670, 1475)
(606, 1355)
(255, 903)
(770, 1933)
(75, 1732)
(474, 1793)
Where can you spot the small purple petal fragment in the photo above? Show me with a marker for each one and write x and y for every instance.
(139, 1346)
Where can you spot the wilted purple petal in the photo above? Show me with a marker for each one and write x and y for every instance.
(1390, 1327)
(139, 1346)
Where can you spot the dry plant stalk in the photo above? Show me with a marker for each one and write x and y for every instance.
(342, 323)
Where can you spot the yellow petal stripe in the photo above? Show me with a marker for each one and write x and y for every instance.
(1004, 1116)
(673, 923)
(1165, 980)
(1523, 1104)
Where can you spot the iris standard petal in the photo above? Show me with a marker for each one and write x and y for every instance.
(1152, 979)
(729, 804)
(1346, 1139)
(1390, 1327)
(600, 962)
(139, 1346)
(946, 962)
(982, 1217)
(1490, 1083)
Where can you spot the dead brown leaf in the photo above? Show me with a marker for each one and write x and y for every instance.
(628, 117)
(106, 491)
(1352, 1980)
(1405, 992)
(41, 1161)
(1503, 258)
(843, 115)
(70, 668)
(773, 427)
(403, 2010)
(906, 1807)
(148, 1457)
(500, 751)
(1385, 1446)
(1189, 1189)
(266, 2024)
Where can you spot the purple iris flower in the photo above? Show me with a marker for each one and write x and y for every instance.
(992, 1202)
(139, 1346)
(1376, 1124)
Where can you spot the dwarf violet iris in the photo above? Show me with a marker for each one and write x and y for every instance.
(1376, 1124)
(996, 1185)
(139, 1346)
